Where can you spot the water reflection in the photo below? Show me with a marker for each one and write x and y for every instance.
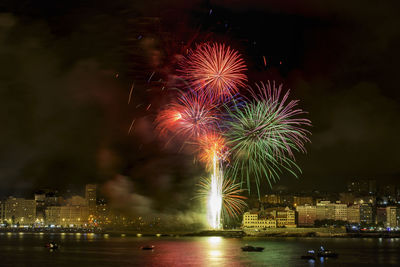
(215, 249)
(189, 251)
(214, 239)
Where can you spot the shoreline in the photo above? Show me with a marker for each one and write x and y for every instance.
(303, 233)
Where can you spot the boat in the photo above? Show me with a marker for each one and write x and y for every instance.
(148, 247)
(252, 249)
(51, 245)
(310, 255)
(326, 253)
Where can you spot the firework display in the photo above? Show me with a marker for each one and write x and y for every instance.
(251, 137)
(263, 134)
(215, 69)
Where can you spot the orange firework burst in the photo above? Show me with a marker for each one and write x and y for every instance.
(210, 145)
(216, 69)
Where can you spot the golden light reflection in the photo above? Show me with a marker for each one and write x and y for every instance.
(214, 240)
(215, 253)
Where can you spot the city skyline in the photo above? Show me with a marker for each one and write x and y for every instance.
(89, 140)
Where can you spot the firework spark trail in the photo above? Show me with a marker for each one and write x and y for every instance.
(263, 135)
(215, 196)
(216, 69)
(131, 126)
(151, 76)
(130, 93)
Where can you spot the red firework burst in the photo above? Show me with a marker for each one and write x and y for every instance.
(215, 68)
(191, 116)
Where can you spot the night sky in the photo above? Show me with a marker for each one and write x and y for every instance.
(67, 69)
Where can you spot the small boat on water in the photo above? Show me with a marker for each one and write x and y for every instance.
(326, 253)
(147, 247)
(51, 245)
(310, 255)
(252, 249)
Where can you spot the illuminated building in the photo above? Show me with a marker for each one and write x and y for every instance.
(53, 214)
(340, 211)
(391, 217)
(331, 211)
(252, 220)
(307, 214)
(91, 197)
(103, 215)
(366, 213)
(20, 211)
(285, 217)
(353, 214)
(325, 210)
(299, 201)
(67, 216)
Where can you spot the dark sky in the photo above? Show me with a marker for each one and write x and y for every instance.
(67, 68)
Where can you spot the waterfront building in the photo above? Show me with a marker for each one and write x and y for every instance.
(353, 214)
(340, 211)
(325, 210)
(53, 215)
(366, 213)
(391, 217)
(91, 198)
(20, 211)
(74, 216)
(103, 213)
(67, 216)
(331, 211)
(285, 217)
(306, 215)
(253, 220)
